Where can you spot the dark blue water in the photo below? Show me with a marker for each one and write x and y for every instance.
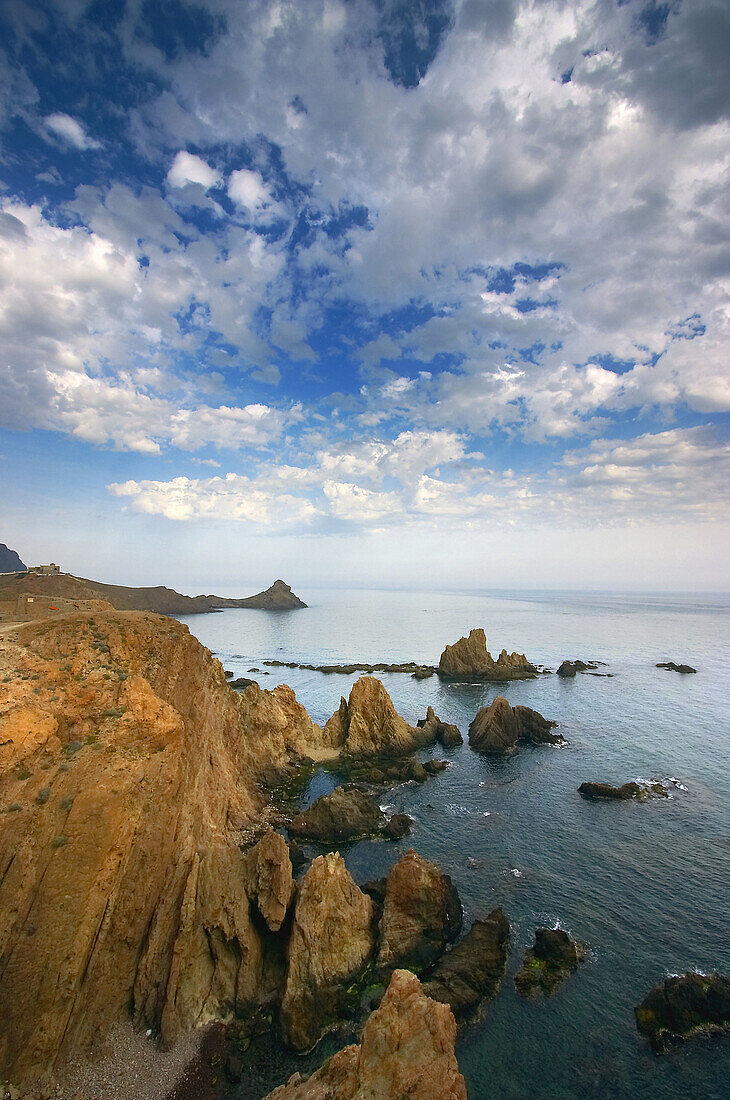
(645, 886)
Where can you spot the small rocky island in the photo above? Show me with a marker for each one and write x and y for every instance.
(469, 659)
(499, 727)
(551, 960)
(685, 1006)
(631, 791)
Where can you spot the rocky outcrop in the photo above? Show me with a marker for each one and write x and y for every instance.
(346, 813)
(368, 724)
(420, 672)
(469, 975)
(331, 939)
(568, 669)
(279, 597)
(421, 914)
(384, 771)
(268, 878)
(469, 659)
(672, 667)
(445, 732)
(10, 560)
(406, 1050)
(498, 727)
(129, 778)
(553, 958)
(639, 792)
(684, 1006)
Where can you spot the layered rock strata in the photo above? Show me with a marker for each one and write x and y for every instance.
(499, 727)
(406, 1050)
(469, 658)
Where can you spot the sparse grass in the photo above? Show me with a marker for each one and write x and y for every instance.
(59, 841)
(72, 748)
(67, 802)
(43, 795)
(22, 773)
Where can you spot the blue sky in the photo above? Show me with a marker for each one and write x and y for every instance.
(373, 292)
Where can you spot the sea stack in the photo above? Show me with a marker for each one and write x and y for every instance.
(469, 658)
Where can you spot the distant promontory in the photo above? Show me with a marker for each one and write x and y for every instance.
(10, 560)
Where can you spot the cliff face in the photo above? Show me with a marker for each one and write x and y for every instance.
(368, 723)
(128, 780)
(407, 1050)
(470, 657)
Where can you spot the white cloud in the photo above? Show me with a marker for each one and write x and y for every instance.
(188, 168)
(232, 497)
(71, 131)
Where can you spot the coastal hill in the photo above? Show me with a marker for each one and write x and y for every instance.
(10, 560)
(161, 600)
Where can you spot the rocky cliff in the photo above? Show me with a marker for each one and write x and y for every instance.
(10, 561)
(407, 1050)
(129, 779)
(470, 658)
(368, 724)
(498, 727)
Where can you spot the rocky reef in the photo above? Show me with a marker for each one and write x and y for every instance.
(684, 1006)
(406, 1050)
(552, 959)
(368, 724)
(346, 814)
(469, 659)
(469, 975)
(672, 667)
(568, 669)
(420, 672)
(499, 727)
(638, 792)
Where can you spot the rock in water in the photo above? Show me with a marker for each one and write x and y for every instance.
(554, 957)
(469, 658)
(407, 1050)
(344, 814)
(672, 667)
(279, 597)
(421, 914)
(331, 940)
(498, 727)
(445, 732)
(470, 975)
(569, 668)
(639, 792)
(368, 724)
(268, 878)
(122, 879)
(684, 1006)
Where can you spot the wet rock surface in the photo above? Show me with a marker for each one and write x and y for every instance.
(469, 976)
(446, 733)
(552, 959)
(421, 914)
(672, 667)
(499, 726)
(639, 792)
(420, 672)
(469, 659)
(406, 1051)
(568, 669)
(684, 1006)
(346, 813)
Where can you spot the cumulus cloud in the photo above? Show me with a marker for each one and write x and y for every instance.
(70, 131)
(187, 168)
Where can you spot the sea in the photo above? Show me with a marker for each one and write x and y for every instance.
(645, 886)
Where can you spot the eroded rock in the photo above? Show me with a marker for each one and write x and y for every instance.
(268, 878)
(421, 914)
(445, 732)
(368, 724)
(407, 1050)
(684, 1006)
(331, 939)
(346, 813)
(469, 658)
(469, 975)
(498, 727)
(552, 959)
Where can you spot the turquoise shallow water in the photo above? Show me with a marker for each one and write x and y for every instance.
(646, 887)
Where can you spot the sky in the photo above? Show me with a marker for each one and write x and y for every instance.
(397, 293)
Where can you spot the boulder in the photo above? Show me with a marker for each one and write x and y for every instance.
(421, 914)
(684, 1006)
(400, 825)
(469, 658)
(331, 939)
(569, 668)
(554, 956)
(469, 975)
(368, 724)
(672, 667)
(346, 813)
(268, 878)
(406, 1050)
(444, 732)
(498, 727)
(639, 792)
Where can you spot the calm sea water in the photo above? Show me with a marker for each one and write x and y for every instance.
(645, 886)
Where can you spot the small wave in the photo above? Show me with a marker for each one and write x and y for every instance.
(514, 871)
(456, 810)
(486, 813)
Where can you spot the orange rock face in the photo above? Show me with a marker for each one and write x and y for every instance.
(331, 939)
(470, 657)
(268, 877)
(421, 913)
(407, 1050)
(128, 780)
(368, 723)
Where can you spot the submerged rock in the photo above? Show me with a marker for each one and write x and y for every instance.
(676, 668)
(469, 658)
(444, 732)
(406, 1050)
(569, 668)
(640, 792)
(498, 727)
(346, 813)
(469, 975)
(331, 939)
(368, 724)
(684, 1006)
(268, 878)
(421, 914)
(553, 958)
